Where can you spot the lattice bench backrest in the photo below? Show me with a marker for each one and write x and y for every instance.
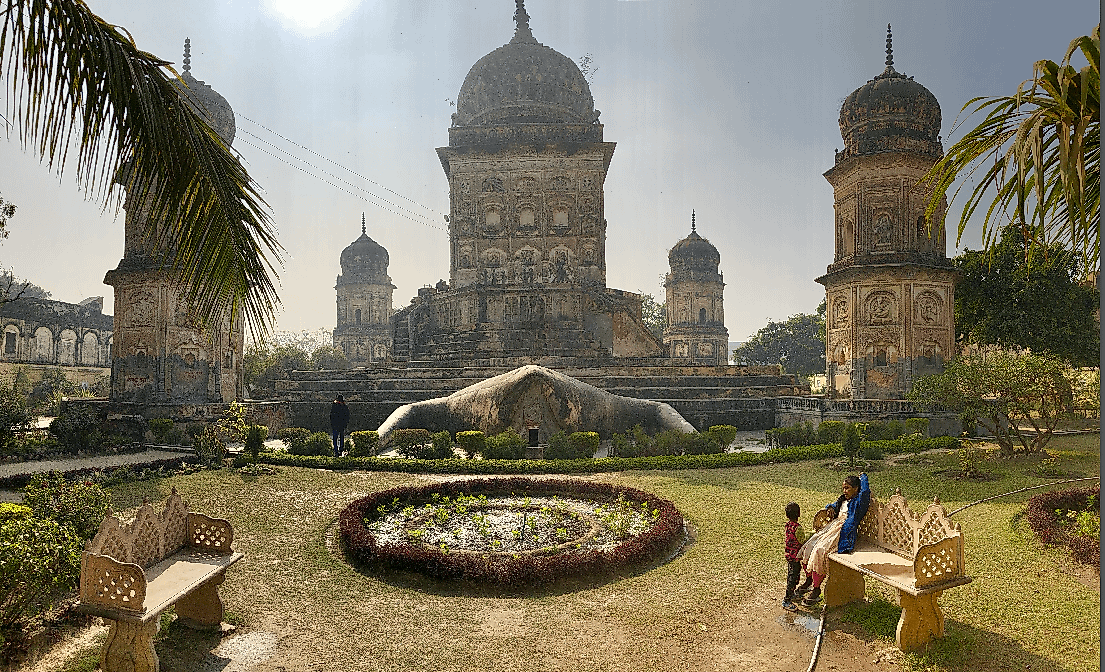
(154, 535)
(897, 528)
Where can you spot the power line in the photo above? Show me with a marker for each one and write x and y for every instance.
(324, 172)
(358, 196)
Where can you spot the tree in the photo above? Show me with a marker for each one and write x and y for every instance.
(7, 211)
(798, 344)
(71, 75)
(1017, 396)
(1044, 144)
(1002, 299)
(654, 315)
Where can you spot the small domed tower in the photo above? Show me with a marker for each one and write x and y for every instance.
(364, 302)
(159, 354)
(890, 289)
(695, 326)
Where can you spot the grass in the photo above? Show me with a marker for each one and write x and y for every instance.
(1029, 606)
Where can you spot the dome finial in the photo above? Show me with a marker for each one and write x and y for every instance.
(889, 48)
(363, 233)
(692, 219)
(187, 55)
(521, 18)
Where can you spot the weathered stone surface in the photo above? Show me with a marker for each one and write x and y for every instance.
(55, 332)
(533, 395)
(891, 288)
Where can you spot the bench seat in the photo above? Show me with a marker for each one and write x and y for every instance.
(919, 555)
(167, 581)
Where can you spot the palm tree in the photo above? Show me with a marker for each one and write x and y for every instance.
(78, 83)
(1044, 142)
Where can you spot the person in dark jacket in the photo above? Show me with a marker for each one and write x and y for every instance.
(339, 420)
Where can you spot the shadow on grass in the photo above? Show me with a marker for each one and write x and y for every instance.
(964, 647)
(411, 580)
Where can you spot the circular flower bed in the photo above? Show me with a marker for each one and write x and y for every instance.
(1050, 515)
(511, 531)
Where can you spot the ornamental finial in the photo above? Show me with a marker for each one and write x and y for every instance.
(187, 55)
(362, 225)
(521, 18)
(692, 220)
(889, 48)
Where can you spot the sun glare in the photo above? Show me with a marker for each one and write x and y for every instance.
(309, 16)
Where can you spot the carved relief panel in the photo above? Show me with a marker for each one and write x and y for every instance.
(880, 306)
(929, 307)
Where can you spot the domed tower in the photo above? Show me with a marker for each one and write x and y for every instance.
(364, 302)
(890, 289)
(526, 164)
(160, 355)
(695, 326)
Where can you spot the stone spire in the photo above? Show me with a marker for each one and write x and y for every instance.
(692, 220)
(521, 18)
(187, 55)
(363, 233)
(889, 48)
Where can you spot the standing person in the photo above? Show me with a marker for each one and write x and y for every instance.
(838, 535)
(339, 419)
(795, 536)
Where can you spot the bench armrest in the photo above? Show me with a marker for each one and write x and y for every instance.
(939, 562)
(106, 582)
(210, 534)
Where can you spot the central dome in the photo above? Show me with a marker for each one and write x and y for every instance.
(207, 101)
(364, 260)
(524, 82)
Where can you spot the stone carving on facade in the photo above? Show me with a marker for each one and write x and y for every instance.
(839, 312)
(928, 305)
(883, 228)
(493, 184)
(880, 307)
(561, 183)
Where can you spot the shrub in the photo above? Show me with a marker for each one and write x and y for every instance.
(471, 442)
(802, 434)
(232, 425)
(916, 426)
(316, 443)
(255, 439)
(831, 431)
(160, 428)
(294, 437)
(13, 415)
(364, 444)
(558, 448)
(80, 506)
(9, 511)
(442, 443)
(77, 429)
(724, 434)
(508, 445)
(40, 560)
(576, 446)
(971, 456)
(411, 443)
(210, 449)
(851, 443)
(621, 445)
(704, 444)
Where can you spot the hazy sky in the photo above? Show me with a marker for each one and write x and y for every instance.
(728, 107)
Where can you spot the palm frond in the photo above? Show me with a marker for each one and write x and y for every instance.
(1038, 152)
(79, 84)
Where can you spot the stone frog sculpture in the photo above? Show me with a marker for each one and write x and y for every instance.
(535, 396)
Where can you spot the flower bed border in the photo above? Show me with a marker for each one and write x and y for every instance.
(1041, 517)
(663, 537)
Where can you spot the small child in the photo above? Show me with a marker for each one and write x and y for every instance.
(795, 537)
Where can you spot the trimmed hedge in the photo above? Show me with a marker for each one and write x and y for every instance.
(318, 443)
(471, 442)
(513, 569)
(365, 444)
(584, 466)
(1045, 522)
(575, 446)
(508, 445)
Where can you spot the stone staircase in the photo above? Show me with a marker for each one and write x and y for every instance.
(705, 395)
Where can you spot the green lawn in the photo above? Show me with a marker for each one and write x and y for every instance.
(1029, 607)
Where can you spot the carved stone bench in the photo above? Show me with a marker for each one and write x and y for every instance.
(919, 555)
(130, 573)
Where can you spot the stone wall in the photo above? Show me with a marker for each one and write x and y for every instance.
(55, 332)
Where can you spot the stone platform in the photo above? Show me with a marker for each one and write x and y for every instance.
(742, 396)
